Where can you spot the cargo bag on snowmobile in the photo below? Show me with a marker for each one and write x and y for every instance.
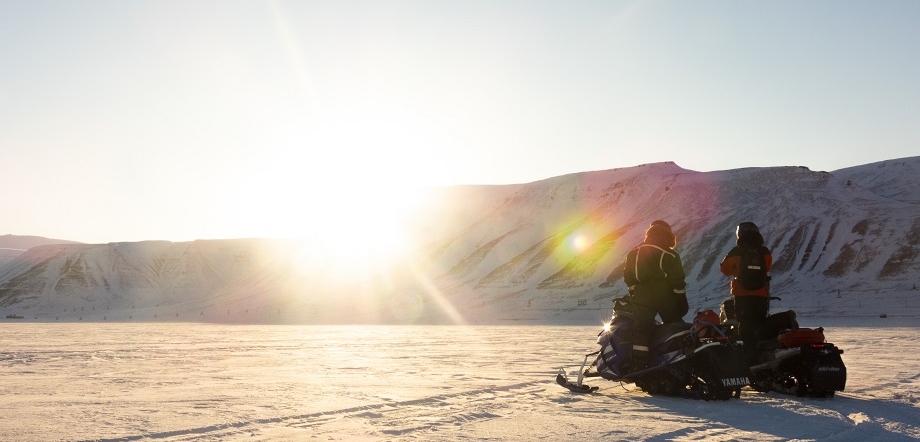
(801, 336)
(828, 373)
(706, 325)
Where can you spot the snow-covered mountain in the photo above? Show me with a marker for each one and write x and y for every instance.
(844, 243)
(12, 246)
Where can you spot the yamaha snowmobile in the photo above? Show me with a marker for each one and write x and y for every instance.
(790, 359)
(686, 360)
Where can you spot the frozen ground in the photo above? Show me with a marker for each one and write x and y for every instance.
(113, 382)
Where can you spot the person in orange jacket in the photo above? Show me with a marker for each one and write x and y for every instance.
(749, 264)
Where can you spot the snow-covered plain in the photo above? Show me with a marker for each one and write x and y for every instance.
(179, 381)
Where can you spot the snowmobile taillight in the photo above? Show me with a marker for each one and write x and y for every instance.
(818, 346)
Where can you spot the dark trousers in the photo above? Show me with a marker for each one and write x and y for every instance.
(751, 312)
(643, 327)
(651, 299)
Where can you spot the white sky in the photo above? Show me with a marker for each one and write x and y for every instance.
(176, 120)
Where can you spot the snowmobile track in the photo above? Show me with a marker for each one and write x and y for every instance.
(405, 416)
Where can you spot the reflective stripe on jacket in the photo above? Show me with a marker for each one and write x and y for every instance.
(650, 264)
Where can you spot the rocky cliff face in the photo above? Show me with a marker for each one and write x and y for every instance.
(846, 242)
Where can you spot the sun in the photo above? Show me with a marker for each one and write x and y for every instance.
(364, 228)
(350, 191)
(353, 225)
(346, 179)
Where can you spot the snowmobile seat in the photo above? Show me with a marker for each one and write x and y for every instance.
(671, 333)
(767, 344)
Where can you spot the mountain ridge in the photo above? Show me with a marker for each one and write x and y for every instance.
(844, 243)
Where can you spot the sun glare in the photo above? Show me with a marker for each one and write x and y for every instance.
(369, 229)
(351, 225)
(579, 242)
(576, 243)
(346, 180)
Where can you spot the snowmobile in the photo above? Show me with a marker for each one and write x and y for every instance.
(790, 359)
(695, 360)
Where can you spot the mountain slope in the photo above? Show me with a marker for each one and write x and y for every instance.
(844, 243)
(12, 246)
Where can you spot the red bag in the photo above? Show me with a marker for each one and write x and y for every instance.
(798, 337)
(705, 325)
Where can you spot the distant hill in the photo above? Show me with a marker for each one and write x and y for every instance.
(845, 243)
(12, 246)
(27, 242)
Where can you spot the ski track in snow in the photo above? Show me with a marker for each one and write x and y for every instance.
(423, 414)
(194, 382)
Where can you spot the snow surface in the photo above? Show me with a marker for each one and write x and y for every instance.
(183, 381)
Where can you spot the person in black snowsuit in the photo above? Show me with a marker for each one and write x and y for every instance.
(654, 277)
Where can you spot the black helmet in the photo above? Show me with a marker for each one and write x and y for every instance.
(660, 234)
(660, 223)
(746, 227)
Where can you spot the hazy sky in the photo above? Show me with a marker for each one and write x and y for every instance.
(179, 120)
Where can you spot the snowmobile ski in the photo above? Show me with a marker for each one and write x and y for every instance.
(562, 380)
